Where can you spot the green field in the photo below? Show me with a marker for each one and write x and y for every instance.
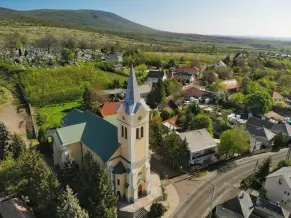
(51, 116)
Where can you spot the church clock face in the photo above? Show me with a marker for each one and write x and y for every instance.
(139, 118)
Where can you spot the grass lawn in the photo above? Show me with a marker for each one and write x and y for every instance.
(51, 116)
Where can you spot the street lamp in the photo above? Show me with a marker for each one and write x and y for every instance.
(212, 199)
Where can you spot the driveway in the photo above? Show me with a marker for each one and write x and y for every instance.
(14, 121)
(195, 195)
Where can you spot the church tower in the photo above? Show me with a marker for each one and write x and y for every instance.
(133, 136)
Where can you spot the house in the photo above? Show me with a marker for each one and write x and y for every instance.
(278, 187)
(114, 57)
(253, 121)
(12, 207)
(117, 66)
(271, 115)
(201, 145)
(121, 146)
(182, 76)
(155, 75)
(283, 128)
(194, 92)
(171, 123)
(245, 205)
(109, 108)
(277, 97)
(193, 70)
(260, 136)
(231, 85)
(219, 64)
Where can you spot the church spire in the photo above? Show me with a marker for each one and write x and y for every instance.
(132, 94)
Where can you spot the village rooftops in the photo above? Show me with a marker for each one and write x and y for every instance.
(231, 84)
(109, 108)
(188, 69)
(260, 123)
(198, 140)
(156, 74)
(274, 115)
(171, 123)
(194, 92)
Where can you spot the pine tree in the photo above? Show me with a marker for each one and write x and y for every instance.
(263, 170)
(184, 153)
(69, 206)
(97, 196)
(5, 137)
(17, 145)
(70, 174)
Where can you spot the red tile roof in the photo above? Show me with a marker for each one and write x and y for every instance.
(277, 95)
(172, 121)
(231, 84)
(109, 108)
(193, 91)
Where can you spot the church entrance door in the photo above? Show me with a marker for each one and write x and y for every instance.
(140, 190)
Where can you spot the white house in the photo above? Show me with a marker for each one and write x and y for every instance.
(155, 75)
(202, 146)
(278, 186)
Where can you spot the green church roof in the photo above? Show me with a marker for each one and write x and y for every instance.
(95, 132)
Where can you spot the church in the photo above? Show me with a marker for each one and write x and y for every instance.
(120, 143)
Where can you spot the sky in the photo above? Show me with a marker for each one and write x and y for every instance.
(270, 18)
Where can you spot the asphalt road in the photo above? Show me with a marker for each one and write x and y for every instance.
(198, 204)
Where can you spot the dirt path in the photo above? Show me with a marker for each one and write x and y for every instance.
(13, 120)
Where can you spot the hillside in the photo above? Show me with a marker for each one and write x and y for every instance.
(114, 25)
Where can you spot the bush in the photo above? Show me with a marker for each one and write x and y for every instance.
(157, 210)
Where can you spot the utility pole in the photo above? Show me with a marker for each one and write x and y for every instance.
(288, 153)
(212, 199)
(255, 169)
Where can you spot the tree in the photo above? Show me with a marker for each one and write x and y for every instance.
(261, 173)
(16, 146)
(70, 174)
(156, 133)
(224, 72)
(202, 121)
(47, 42)
(209, 76)
(172, 87)
(4, 141)
(238, 99)
(176, 149)
(157, 210)
(30, 176)
(67, 55)
(217, 86)
(165, 114)
(182, 59)
(69, 43)
(15, 41)
(193, 109)
(157, 94)
(69, 206)
(171, 63)
(259, 102)
(280, 141)
(235, 140)
(96, 196)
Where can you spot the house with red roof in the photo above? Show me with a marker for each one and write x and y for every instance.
(194, 92)
(231, 84)
(171, 123)
(277, 97)
(109, 108)
(184, 74)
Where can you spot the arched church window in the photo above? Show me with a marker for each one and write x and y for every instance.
(137, 133)
(118, 182)
(122, 131)
(125, 132)
(141, 132)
